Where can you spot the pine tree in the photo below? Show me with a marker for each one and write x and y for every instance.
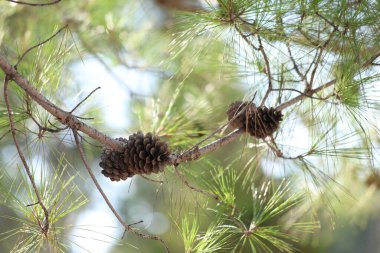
(232, 125)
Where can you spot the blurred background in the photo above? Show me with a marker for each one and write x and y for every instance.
(160, 69)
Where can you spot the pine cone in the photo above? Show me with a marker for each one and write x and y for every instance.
(142, 154)
(259, 122)
(237, 113)
(112, 163)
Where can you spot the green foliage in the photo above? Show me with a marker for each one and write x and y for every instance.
(215, 239)
(61, 197)
(234, 233)
(266, 195)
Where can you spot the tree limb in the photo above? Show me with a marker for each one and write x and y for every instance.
(64, 117)
(196, 153)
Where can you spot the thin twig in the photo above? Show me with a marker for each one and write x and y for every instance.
(34, 4)
(151, 180)
(81, 102)
(245, 37)
(295, 65)
(312, 62)
(118, 217)
(267, 72)
(44, 228)
(309, 85)
(28, 205)
(184, 180)
(335, 27)
(39, 44)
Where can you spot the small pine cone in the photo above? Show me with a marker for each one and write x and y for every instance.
(259, 122)
(113, 164)
(142, 154)
(237, 113)
(145, 154)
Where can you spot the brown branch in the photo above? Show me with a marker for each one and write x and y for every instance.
(39, 44)
(194, 154)
(64, 117)
(44, 228)
(34, 4)
(118, 217)
(302, 93)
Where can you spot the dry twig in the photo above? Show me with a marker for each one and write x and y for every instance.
(45, 227)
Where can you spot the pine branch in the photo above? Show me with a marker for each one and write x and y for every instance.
(196, 153)
(73, 122)
(45, 227)
(62, 116)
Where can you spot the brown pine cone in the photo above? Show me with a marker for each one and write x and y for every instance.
(237, 113)
(259, 122)
(142, 154)
(112, 163)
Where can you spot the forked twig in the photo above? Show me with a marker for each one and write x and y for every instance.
(45, 227)
(99, 188)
